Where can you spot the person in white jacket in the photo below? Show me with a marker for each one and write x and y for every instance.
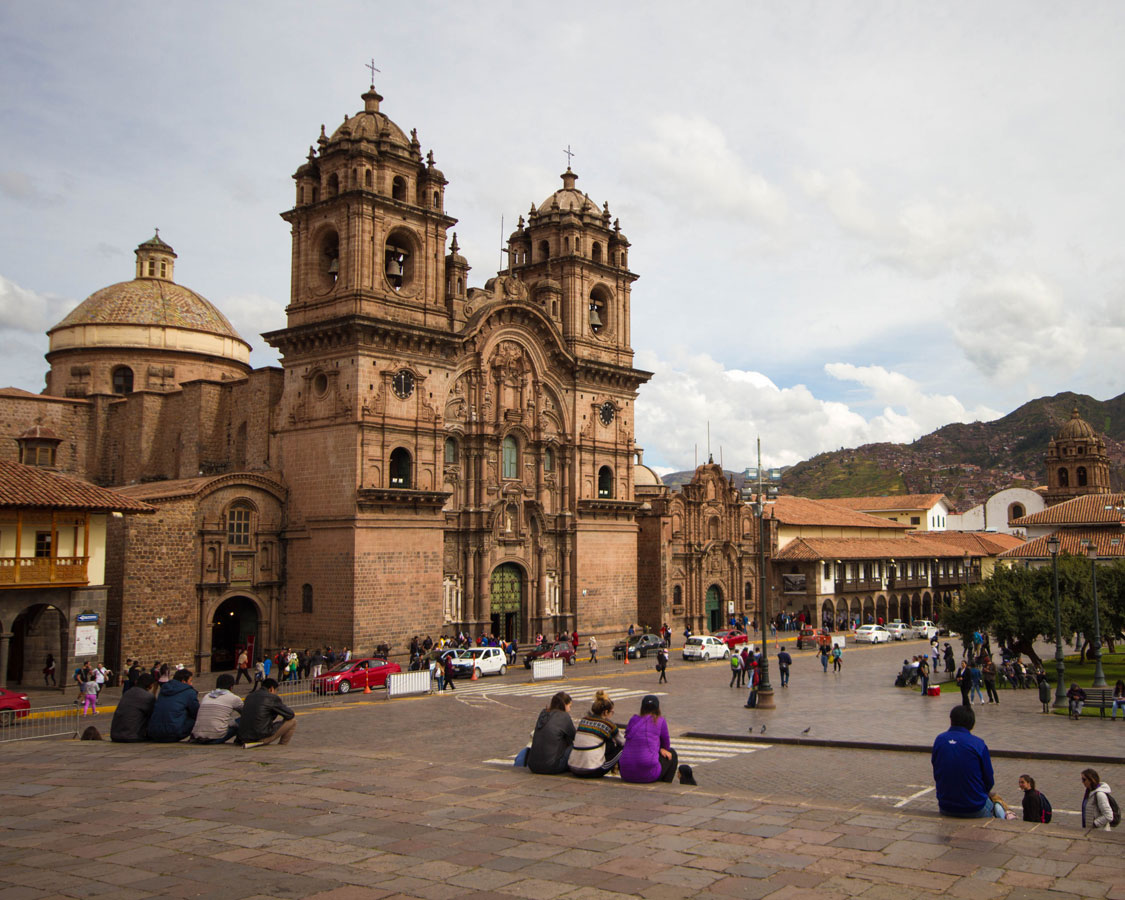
(1096, 811)
(217, 719)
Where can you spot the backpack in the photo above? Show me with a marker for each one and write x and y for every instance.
(735, 661)
(1044, 807)
(1114, 809)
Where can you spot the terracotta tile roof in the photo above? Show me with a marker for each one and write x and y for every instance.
(1110, 543)
(31, 487)
(906, 547)
(978, 543)
(190, 487)
(1093, 509)
(803, 511)
(888, 504)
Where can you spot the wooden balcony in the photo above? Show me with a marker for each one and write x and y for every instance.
(31, 571)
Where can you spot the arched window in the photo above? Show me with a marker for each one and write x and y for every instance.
(437, 200)
(509, 463)
(151, 268)
(605, 483)
(548, 460)
(450, 451)
(748, 591)
(677, 596)
(398, 188)
(400, 468)
(367, 182)
(1081, 473)
(122, 380)
(333, 185)
(238, 524)
(599, 309)
(1016, 511)
(306, 598)
(1064, 478)
(544, 251)
(713, 528)
(596, 252)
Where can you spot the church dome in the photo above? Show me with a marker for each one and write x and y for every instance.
(568, 198)
(643, 476)
(1076, 428)
(149, 301)
(370, 125)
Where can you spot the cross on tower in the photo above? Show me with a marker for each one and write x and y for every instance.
(568, 155)
(371, 66)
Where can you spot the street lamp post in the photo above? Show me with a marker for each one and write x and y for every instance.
(765, 689)
(1099, 675)
(1060, 664)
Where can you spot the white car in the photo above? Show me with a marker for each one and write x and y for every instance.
(486, 660)
(900, 631)
(924, 628)
(872, 634)
(705, 647)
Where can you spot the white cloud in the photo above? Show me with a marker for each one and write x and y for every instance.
(691, 390)
(1014, 324)
(25, 310)
(689, 163)
(252, 315)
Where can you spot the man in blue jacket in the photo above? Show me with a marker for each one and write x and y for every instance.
(962, 768)
(173, 716)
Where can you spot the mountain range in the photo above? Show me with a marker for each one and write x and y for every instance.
(966, 462)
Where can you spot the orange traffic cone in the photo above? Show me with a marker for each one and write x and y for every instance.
(625, 655)
(367, 689)
(475, 670)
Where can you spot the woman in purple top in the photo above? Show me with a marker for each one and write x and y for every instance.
(648, 755)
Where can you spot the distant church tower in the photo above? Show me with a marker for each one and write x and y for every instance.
(1077, 463)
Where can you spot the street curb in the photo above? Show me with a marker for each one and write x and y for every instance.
(903, 748)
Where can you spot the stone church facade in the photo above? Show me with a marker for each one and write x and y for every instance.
(427, 456)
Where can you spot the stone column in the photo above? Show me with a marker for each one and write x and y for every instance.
(5, 640)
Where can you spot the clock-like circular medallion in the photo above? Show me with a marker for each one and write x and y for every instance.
(403, 383)
(607, 413)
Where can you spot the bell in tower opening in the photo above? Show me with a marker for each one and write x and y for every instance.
(396, 266)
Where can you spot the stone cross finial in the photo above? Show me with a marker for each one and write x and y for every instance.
(371, 66)
(568, 155)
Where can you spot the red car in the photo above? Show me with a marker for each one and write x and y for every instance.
(355, 676)
(732, 637)
(13, 706)
(561, 650)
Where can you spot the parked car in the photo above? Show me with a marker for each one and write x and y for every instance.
(732, 637)
(639, 645)
(900, 631)
(560, 650)
(355, 676)
(13, 706)
(813, 637)
(872, 634)
(924, 628)
(486, 660)
(706, 646)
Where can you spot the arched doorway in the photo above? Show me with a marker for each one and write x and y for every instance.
(713, 608)
(505, 602)
(234, 623)
(36, 631)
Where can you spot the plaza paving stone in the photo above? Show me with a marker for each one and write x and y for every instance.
(386, 799)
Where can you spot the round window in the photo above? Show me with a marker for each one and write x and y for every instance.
(320, 384)
(403, 383)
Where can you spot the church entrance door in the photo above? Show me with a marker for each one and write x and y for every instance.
(713, 608)
(506, 602)
(234, 623)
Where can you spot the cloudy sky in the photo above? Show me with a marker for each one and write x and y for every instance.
(852, 221)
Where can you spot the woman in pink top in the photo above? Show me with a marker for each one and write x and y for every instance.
(648, 755)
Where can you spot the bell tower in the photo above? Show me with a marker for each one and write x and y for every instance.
(1077, 462)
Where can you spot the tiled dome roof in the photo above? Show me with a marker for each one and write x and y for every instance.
(1076, 427)
(149, 301)
(569, 199)
(369, 124)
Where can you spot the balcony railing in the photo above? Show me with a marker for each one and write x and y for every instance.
(33, 570)
(957, 579)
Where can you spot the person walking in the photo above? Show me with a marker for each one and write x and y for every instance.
(837, 658)
(662, 665)
(965, 682)
(448, 667)
(950, 662)
(824, 653)
(49, 672)
(1096, 811)
(784, 661)
(753, 677)
(242, 667)
(89, 691)
(735, 669)
(593, 645)
(988, 675)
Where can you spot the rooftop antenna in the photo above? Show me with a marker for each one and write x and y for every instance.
(759, 468)
(720, 456)
(697, 456)
(710, 458)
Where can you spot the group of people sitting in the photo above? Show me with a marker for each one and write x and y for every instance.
(173, 711)
(641, 753)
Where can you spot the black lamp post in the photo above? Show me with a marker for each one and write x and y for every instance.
(765, 689)
(1060, 665)
(1099, 675)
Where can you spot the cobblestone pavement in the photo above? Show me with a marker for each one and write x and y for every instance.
(404, 798)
